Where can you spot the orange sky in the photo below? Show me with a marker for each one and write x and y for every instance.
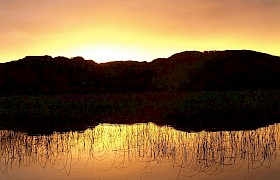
(135, 30)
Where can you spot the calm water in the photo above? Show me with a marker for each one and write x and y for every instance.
(141, 151)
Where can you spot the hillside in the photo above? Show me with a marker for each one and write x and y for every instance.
(185, 71)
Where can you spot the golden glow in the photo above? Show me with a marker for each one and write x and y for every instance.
(136, 30)
(142, 150)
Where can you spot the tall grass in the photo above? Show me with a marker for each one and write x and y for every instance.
(108, 147)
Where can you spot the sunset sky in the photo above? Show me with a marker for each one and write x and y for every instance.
(139, 30)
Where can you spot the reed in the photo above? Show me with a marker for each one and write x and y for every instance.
(128, 145)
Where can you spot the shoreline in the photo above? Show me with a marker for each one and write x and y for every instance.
(187, 111)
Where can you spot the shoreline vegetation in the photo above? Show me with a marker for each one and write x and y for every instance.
(188, 111)
(190, 91)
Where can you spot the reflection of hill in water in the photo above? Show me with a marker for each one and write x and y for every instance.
(188, 111)
(122, 146)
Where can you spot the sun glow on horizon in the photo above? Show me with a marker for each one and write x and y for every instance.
(135, 30)
(105, 53)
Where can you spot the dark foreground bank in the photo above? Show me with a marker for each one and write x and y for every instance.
(188, 111)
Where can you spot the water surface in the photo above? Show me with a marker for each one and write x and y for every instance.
(141, 151)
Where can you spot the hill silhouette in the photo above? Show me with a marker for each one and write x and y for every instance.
(185, 71)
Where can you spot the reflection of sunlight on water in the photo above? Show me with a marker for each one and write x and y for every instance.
(143, 148)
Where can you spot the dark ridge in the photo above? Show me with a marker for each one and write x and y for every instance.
(185, 71)
(187, 56)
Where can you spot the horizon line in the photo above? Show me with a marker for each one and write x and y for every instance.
(97, 61)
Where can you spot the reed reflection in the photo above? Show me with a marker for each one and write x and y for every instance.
(122, 146)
